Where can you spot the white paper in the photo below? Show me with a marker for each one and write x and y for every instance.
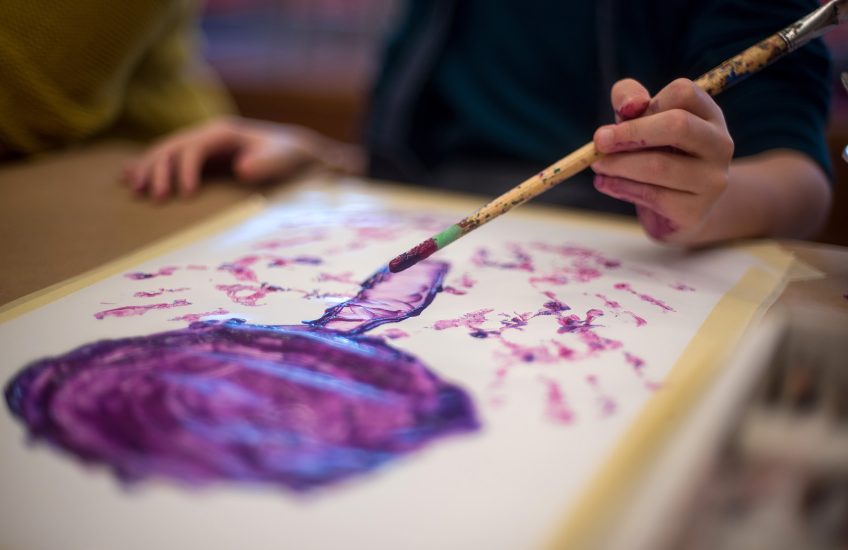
(506, 486)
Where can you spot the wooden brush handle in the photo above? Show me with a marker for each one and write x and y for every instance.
(740, 66)
(554, 174)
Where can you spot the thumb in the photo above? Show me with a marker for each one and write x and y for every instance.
(629, 99)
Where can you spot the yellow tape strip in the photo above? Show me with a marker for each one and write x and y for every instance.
(219, 222)
(698, 365)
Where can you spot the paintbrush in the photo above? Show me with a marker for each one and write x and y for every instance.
(720, 78)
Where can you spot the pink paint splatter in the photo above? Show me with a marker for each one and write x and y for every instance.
(573, 323)
(454, 291)
(638, 365)
(609, 303)
(616, 307)
(557, 408)
(153, 293)
(583, 265)
(299, 260)
(394, 333)
(346, 277)
(196, 267)
(467, 281)
(163, 272)
(471, 320)
(585, 256)
(240, 269)
(636, 362)
(606, 404)
(129, 311)
(248, 295)
(521, 260)
(194, 317)
(650, 299)
(682, 287)
(289, 242)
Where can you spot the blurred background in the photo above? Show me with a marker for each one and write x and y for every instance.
(312, 62)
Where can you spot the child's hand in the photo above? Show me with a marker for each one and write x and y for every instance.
(259, 151)
(669, 155)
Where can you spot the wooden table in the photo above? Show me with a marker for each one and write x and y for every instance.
(65, 213)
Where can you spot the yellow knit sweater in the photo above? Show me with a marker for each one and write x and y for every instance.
(71, 70)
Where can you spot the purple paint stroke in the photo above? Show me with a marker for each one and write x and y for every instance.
(394, 333)
(454, 291)
(346, 277)
(290, 242)
(644, 297)
(521, 259)
(557, 407)
(130, 311)
(240, 269)
(573, 323)
(162, 272)
(298, 260)
(248, 295)
(377, 303)
(617, 310)
(154, 293)
(471, 321)
(294, 406)
(582, 265)
(638, 365)
(194, 317)
(606, 404)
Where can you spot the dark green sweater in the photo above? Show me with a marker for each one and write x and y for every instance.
(476, 95)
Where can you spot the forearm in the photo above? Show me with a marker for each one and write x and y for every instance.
(779, 193)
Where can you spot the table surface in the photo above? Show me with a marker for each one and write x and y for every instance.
(66, 213)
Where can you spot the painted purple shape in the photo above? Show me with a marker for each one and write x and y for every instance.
(408, 293)
(295, 406)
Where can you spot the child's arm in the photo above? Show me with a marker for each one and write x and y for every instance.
(258, 151)
(671, 155)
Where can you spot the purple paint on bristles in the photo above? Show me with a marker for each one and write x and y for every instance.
(294, 406)
(413, 256)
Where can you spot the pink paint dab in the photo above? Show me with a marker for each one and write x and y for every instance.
(395, 333)
(248, 295)
(153, 293)
(557, 408)
(644, 297)
(163, 272)
(129, 311)
(194, 317)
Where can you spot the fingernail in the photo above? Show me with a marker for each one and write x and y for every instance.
(604, 139)
(600, 182)
(632, 108)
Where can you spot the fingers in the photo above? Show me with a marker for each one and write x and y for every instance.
(668, 203)
(189, 165)
(159, 185)
(670, 170)
(686, 95)
(176, 162)
(629, 99)
(676, 128)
